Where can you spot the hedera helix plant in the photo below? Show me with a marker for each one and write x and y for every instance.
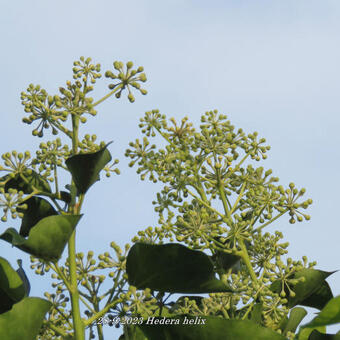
(50, 215)
(212, 204)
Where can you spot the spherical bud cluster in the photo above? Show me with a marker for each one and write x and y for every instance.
(88, 144)
(12, 202)
(151, 122)
(52, 154)
(126, 78)
(111, 169)
(75, 101)
(44, 108)
(85, 70)
(41, 267)
(15, 162)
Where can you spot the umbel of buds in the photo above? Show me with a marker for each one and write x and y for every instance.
(126, 78)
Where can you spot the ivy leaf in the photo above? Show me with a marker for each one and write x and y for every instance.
(172, 268)
(316, 335)
(295, 317)
(256, 313)
(12, 289)
(24, 320)
(85, 168)
(133, 332)
(304, 333)
(314, 280)
(329, 315)
(24, 278)
(47, 239)
(33, 179)
(319, 298)
(37, 209)
(192, 328)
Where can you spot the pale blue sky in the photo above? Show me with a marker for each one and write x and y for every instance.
(272, 66)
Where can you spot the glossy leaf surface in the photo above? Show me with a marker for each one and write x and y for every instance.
(314, 280)
(47, 239)
(12, 289)
(24, 320)
(172, 268)
(213, 329)
(27, 183)
(329, 315)
(296, 315)
(85, 168)
(37, 209)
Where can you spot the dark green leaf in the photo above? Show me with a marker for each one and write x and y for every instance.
(329, 315)
(320, 298)
(24, 320)
(256, 313)
(24, 278)
(304, 333)
(27, 185)
(315, 335)
(37, 209)
(223, 260)
(134, 333)
(12, 289)
(47, 239)
(172, 268)
(295, 317)
(314, 280)
(65, 196)
(192, 328)
(85, 168)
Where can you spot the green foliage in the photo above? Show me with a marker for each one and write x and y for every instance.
(37, 209)
(172, 268)
(85, 168)
(213, 328)
(12, 289)
(215, 202)
(24, 320)
(47, 239)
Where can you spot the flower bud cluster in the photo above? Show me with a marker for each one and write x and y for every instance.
(291, 195)
(86, 71)
(126, 78)
(88, 144)
(41, 267)
(52, 154)
(44, 108)
(152, 121)
(75, 101)
(15, 162)
(12, 202)
(266, 247)
(140, 303)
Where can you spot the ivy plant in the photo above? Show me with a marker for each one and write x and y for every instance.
(211, 269)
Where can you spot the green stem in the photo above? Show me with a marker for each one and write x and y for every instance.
(77, 321)
(61, 275)
(56, 179)
(272, 220)
(245, 257)
(102, 312)
(78, 324)
(238, 198)
(57, 330)
(209, 207)
(99, 325)
(63, 129)
(108, 95)
(223, 197)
